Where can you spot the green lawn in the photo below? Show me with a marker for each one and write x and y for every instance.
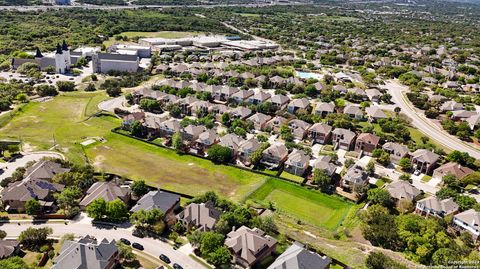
(166, 169)
(307, 205)
(292, 177)
(63, 120)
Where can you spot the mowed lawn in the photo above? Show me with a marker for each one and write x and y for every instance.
(62, 121)
(166, 169)
(310, 206)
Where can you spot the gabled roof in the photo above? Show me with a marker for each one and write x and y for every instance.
(277, 150)
(157, 199)
(368, 138)
(44, 169)
(30, 189)
(204, 215)
(424, 155)
(261, 96)
(447, 206)
(454, 169)
(7, 248)
(259, 118)
(298, 156)
(248, 243)
(109, 191)
(251, 145)
(347, 134)
(279, 99)
(86, 253)
(396, 148)
(328, 107)
(230, 141)
(470, 217)
(297, 257)
(300, 103)
(403, 190)
(322, 128)
(375, 112)
(208, 137)
(353, 110)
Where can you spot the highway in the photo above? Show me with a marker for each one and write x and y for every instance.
(84, 227)
(424, 124)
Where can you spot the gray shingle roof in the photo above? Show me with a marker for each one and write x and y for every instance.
(297, 257)
(157, 199)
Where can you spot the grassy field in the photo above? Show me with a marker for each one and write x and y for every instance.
(162, 34)
(306, 205)
(63, 120)
(166, 169)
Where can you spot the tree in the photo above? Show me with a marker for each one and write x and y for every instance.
(265, 224)
(380, 196)
(139, 188)
(462, 158)
(33, 238)
(177, 142)
(32, 207)
(379, 227)
(465, 202)
(149, 105)
(378, 260)
(14, 262)
(146, 219)
(125, 252)
(219, 154)
(90, 87)
(114, 91)
(210, 242)
(136, 129)
(405, 164)
(3, 234)
(65, 86)
(322, 179)
(444, 256)
(68, 200)
(116, 210)
(370, 168)
(97, 209)
(406, 177)
(219, 257)
(46, 90)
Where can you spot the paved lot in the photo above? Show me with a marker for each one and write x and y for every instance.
(83, 227)
(425, 125)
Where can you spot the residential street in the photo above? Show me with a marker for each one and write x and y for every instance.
(83, 226)
(10, 167)
(425, 125)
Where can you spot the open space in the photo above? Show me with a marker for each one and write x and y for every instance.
(161, 34)
(307, 205)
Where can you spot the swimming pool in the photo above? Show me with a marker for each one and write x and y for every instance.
(307, 75)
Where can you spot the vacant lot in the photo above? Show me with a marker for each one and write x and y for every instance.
(62, 121)
(307, 205)
(161, 34)
(166, 169)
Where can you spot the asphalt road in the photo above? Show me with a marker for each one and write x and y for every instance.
(425, 125)
(10, 167)
(152, 247)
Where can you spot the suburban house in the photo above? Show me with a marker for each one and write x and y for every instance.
(451, 106)
(424, 160)
(297, 104)
(246, 148)
(433, 206)
(353, 111)
(453, 169)
(343, 138)
(374, 114)
(169, 127)
(199, 108)
(167, 202)
(320, 133)
(259, 98)
(231, 141)
(44, 170)
(259, 120)
(373, 94)
(275, 123)
(206, 139)
(9, 248)
(355, 176)
(403, 190)
(241, 95)
(129, 119)
(397, 151)
(87, 253)
(202, 216)
(473, 121)
(274, 156)
(297, 162)
(468, 221)
(322, 109)
(279, 101)
(192, 132)
(249, 246)
(324, 163)
(299, 128)
(16, 194)
(366, 143)
(151, 126)
(108, 191)
(298, 257)
(241, 112)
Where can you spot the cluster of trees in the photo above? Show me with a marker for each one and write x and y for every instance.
(423, 240)
(114, 211)
(10, 92)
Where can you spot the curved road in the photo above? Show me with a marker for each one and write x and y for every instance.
(425, 125)
(83, 227)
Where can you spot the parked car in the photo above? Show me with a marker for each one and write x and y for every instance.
(137, 246)
(138, 233)
(125, 241)
(177, 266)
(164, 258)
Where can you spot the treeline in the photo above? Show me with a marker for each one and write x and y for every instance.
(26, 30)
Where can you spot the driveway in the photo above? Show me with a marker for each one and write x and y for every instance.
(10, 167)
(83, 227)
(425, 125)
